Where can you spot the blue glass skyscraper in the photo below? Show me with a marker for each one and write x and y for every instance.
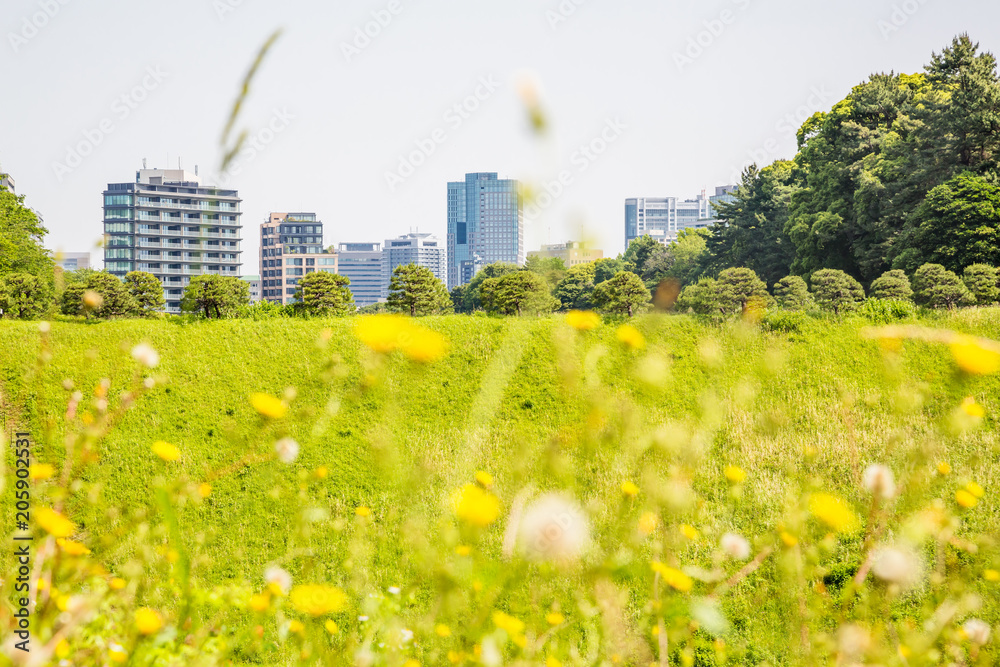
(485, 225)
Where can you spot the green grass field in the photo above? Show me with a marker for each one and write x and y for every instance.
(530, 401)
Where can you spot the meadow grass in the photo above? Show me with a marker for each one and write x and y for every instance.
(536, 404)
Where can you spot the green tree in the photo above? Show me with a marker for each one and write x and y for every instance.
(23, 296)
(417, 291)
(458, 294)
(937, 287)
(792, 293)
(71, 301)
(551, 269)
(517, 293)
(324, 293)
(640, 251)
(835, 290)
(470, 300)
(608, 267)
(114, 298)
(576, 290)
(624, 293)
(215, 296)
(146, 290)
(700, 298)
(21, 236)
(981, 279)
(737, 287)
(892, 285)
(689, 253)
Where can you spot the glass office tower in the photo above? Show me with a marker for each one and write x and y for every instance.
(485, 225)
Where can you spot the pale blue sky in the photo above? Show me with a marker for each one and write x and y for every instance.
(342, 123)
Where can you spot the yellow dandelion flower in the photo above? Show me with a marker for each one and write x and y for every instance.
(583, 320)
(39, 471)
(423, 345)
(62, 649)
(331, 627)
(788, 539)
(463, 550)
(317, 599)
(991, 575)
(477, 586)
(966, 499)
(973, 409)
(630, 489)
(296, 627)
(690, 532)
(454, 657)
(72, 548)
(362, 511)
(322, 472)
(204, 490)
(943, 468)
(834, 512)
(507, 623)
(975, 489)
(442, 630)
(484, 479)
(381, 333)
(630, 337)
(117, 584)
(552, 662)
(972, 357)
(173, 556)
(475, 506)
(735, 474)
(54, 523)
(260, 602)
(268, 406)
(147, 621)
(166, 451)
(648, 523)
(117, 653)
(411, 663)
(555, 618)
(672, 576)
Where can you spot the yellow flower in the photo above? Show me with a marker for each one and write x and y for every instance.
(54, 523)
(991, 575)
(296, 627)
(735, 474)
(147, 621)
(260, 602)
(944, 468)
(331, 627)
(204, 490)
(689, 532)
(423, 345)
(672, 576)
(552, 662)
(972, 357)
(380, 333)
(484, 479)
(648, 523)
(62, 649)
(72, 548)
(973, 409)
(966, 499)
(166, 451)
(630, 489)
(834, 512)
(322, 472)
(975, 489)
(788, 539)
(554, 618)
(268, 405)
(512, 626)
(317, 599)
(474, 505)
(411, 663)
(583, 320)
(117, 584)
(362, 511)
(630, 337)
(40, 471)
(454, 657)
(442, 630)
(116, 653)
(463, 550)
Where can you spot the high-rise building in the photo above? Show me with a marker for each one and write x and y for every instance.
(362, 264)
(663, 217)
(168, 224)
(6, 181)
(291, 246)
(253, 283)
(71, 261)
(485, 225)
(571, 253)
(414, 248)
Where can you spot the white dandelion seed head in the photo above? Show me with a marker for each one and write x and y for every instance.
(879, 481)
(394, 590)
(146, 355)
(735, 546)
(977, 630)
(896, 566)
(853, 640)
(287, 450)
(44, 327)
(279, 576)
(554, 528)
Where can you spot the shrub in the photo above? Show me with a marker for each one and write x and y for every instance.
(516, 293)
(264, 310)
(736, 287)
(624, 293)
(886, 311)
(113, 298)
(937, 287)
(323, 293)
(792, 293)
(981, 280)
(892, 285)
(215, 296)
(835, 290)
(146, 290)
(784, 321)
(415, 290)
(23, 296)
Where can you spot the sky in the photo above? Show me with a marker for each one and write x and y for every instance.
(364, 110)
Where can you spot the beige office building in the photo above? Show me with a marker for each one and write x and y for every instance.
(571, 253)
(291, 247)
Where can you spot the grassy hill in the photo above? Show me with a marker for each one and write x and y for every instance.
(537, 405)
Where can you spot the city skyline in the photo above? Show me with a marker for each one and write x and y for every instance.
(419, 104)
